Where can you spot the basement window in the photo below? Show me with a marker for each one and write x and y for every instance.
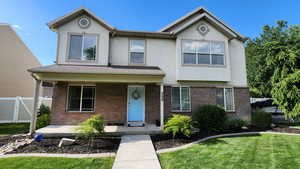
(81, 98)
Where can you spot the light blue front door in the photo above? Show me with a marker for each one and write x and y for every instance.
(136, 103)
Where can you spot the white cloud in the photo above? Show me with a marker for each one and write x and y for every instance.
(16, 26)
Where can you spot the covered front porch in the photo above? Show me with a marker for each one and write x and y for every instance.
(70, 130)
(123, 95)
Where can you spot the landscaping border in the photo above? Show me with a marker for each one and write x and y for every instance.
(94, 155)
(217, 136)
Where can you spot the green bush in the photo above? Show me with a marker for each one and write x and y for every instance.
(94, 126)
(235, 123)
(179, 124)
(43, 118)
(209, 118)
(261, 119)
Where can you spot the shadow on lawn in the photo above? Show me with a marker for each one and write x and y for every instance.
(220, 141)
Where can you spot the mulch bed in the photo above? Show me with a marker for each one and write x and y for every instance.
(50, 145)
(162, 141)
(6, 139)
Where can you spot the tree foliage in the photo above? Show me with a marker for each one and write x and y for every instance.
(273, 64)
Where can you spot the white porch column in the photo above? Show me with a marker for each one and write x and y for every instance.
(161, 105)
(35, 106)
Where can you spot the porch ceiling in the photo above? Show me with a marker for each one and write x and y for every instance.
(110, 74)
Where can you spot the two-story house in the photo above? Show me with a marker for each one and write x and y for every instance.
(138, 77)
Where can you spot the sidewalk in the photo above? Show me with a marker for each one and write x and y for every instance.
(136, 152)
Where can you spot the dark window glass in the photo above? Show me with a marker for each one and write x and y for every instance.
(74, 98)
(189, 58)
(217, 59)
(175, 98)
(88, 98)
(203, 59)
(75, 47)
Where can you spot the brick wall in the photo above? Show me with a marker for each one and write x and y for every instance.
(207, 95)
(111, 102)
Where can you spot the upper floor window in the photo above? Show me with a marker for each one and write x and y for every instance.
(225, 98)
(82, 47)
(181, 99)
(137, 52)
(203, 52)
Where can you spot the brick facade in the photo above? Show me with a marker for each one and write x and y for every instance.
(111, 102)
(207, 95)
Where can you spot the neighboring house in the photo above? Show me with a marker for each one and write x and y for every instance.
(16, 58)
(136, 77)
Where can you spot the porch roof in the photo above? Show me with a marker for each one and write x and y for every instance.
(95, 73)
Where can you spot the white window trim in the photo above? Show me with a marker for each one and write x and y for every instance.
(81, 91)
(210, 53)
(224, 98)
(189, 110)
(82, 47)
(129, 52)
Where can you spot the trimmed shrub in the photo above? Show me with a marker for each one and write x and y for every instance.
(43, 118)
(179, 124)
(209, 118)
(235, 124)
(90, 128)
(261, 119)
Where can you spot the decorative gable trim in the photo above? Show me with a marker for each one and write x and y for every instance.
(53, 25)
(202, 13)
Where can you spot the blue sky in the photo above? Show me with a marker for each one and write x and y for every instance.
(29, 17)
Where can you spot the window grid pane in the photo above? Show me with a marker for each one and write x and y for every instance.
(206, 52)
(185, 98)
(175, 98)
(229, 99)
(136, 57)
(75, 47)
(81, 98)
(189, 58)
(220, 97)
(89, 47)
(74, 98)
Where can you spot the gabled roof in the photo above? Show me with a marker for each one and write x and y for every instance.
(82, 10)
(195, 16)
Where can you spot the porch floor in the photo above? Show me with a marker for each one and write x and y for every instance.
(69, 130)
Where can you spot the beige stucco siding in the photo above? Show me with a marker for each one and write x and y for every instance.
(72, 27)
(199, 72)
(16, 58)
(159, 52)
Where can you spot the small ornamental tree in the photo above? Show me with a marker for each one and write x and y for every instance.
(92, 127)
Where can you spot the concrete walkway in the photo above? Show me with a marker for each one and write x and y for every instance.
(136, 152)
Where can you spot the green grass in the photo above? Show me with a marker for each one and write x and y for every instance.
(247, 152)
(13, 128)
(56, 163)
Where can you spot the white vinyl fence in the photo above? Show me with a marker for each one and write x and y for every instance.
(19, 109)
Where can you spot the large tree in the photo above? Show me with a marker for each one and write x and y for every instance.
(273, 66)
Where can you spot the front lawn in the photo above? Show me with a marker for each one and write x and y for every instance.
(13, 128)
(55, 163)
(249, 152)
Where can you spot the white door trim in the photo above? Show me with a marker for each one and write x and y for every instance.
(128, 100)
